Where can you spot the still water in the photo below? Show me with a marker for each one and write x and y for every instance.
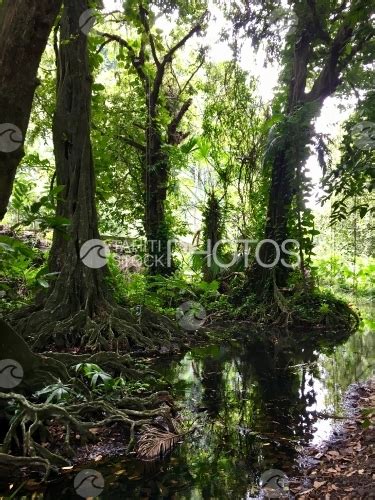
(252, 409)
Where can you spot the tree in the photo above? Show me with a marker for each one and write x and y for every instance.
(164, 114)
(25, 26)
(78, 308)
(328, 39)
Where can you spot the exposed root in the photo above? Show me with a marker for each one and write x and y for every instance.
(289, 308)
(111, 328)
(38, 370)
(19, 467)
(119, 365)
(77, 419)
(285, 313)
(324, 310)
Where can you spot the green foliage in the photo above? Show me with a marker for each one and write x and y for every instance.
(23, 195)
(22, 272)
(232, 149)
(42, 212)
(325, 310)
(105, 384)
(349, 184)
(57, 393)
(340, 275)
(100, 383)
(164, 293)
(93, 373)
(219, 165)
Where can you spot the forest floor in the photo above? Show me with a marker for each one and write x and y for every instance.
(344, 466)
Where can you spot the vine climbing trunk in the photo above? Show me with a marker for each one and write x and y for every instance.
(156, 180)
(24, 29)
(156, 174)
(287, 164)
(212, 234)
(158, 138)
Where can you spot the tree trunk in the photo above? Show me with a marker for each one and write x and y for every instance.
(292, 152)
(156, 174)
(212, 234)
(295, 133)
(24, 29)
(155, 160)
(78, 285)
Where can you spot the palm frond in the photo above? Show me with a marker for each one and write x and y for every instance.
(154, 444)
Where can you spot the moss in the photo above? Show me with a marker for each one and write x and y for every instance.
(312, 316)
(323, 309)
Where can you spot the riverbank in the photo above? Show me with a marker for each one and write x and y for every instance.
(344, 466)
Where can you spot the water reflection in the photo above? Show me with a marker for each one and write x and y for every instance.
(348, 363)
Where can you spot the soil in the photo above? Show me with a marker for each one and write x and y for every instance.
(343, 468)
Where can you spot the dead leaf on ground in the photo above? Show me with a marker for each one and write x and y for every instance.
(318, 484)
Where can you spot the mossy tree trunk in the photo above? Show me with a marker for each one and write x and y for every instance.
(212, 234)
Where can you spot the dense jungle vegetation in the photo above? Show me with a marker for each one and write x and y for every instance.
(173, 174)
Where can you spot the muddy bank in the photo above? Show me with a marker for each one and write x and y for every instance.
(344, 466)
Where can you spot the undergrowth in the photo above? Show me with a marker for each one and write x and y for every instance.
(164, 294)
(23, 271)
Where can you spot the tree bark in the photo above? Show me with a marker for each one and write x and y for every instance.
(78, 289)
(212, 234)
(24, 29)
(155, 160)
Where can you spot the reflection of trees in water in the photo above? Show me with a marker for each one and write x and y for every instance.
(254, 400)
(282, 394)
(216, 455)
(255, 403)
(212, 380)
